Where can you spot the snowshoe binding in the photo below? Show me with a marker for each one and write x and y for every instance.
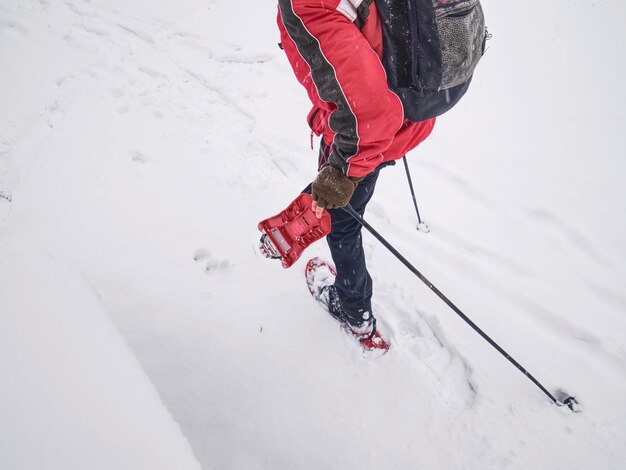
(287, 234)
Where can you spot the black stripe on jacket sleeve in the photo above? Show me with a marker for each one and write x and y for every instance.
(342, 121)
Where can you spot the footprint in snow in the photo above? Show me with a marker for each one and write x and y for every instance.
(119, 93)
(137, 157)
(10, 26)
(420, 338)
(204, 257)
(54, 114)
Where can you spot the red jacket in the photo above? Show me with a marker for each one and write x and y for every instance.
(335, 49)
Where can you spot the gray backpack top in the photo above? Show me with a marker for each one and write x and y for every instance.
(431, 48)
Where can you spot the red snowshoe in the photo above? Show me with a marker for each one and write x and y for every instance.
(320, 278)
(286, 235)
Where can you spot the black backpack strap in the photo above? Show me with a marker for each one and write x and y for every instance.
(362, 11)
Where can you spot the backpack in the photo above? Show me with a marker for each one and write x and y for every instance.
(431, 48)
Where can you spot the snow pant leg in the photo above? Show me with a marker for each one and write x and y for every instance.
(353, 282)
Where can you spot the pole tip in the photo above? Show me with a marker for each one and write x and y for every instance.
(565, 399)
(422, 227)
(573, 405)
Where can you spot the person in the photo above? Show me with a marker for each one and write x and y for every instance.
(335, 48)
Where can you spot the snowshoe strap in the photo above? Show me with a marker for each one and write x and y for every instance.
(373, 333)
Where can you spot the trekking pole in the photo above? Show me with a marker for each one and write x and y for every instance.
(566, 399)
(421, 226)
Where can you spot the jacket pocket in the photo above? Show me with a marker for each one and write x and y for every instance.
(316, 120)
(462, 32)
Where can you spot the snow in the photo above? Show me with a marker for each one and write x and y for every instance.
(73, 394)
(141, 143)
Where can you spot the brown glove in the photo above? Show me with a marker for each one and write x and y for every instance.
(332, 189)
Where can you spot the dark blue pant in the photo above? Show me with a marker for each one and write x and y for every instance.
(353, 282)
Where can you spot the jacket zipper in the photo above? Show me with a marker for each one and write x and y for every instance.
(414, 30)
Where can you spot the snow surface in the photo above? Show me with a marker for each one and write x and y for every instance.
(140, 144)
(73, 395)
